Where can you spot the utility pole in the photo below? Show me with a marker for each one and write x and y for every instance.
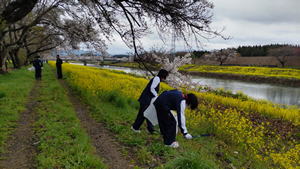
(173, 43)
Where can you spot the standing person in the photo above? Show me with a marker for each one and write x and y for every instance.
(149, 92)
(173, 100)
(58, 67)
(38, 65)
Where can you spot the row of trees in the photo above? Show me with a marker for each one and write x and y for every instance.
(35, 27)
(259, 50)
(249, 51)
(282, 53)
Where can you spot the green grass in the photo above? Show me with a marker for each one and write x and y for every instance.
(14, 91)
(63, 143)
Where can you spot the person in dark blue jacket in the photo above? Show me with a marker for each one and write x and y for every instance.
(173, 100)
(58, 67)
(38, 65)
(149, 92)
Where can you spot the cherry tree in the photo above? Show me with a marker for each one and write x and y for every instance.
(283, 54)
(221, 56)
(132, 20)
(175, 78)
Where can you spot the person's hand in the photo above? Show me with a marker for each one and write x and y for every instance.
(188, 136)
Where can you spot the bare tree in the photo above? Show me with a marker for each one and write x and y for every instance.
(283, 54)
(221, 56)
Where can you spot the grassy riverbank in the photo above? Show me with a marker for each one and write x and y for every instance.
(244, 133)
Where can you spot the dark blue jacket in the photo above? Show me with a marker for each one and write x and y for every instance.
(38, 64)
(147, 95)
(173, 100)
(58, 63)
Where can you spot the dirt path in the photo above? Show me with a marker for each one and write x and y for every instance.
(103, 142)
(21, 144)
(21, 148)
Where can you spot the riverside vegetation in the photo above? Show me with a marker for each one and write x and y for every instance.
(245, 133)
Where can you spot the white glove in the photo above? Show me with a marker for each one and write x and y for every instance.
(188, 136)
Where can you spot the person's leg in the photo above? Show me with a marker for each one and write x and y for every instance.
(40, 74)
(150, 126)
(170, 133)
(167, 125)
(36, 74)
(59, 73)
(140, 117)
(57, 70)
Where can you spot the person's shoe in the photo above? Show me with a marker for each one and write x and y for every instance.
(173, 145)
(137, 131)
(152, 132)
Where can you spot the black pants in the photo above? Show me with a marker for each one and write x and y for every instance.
(167, 124)
(59, 73)
(38, 74)
(141, 118)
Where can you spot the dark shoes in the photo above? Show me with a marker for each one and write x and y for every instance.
(152, 132)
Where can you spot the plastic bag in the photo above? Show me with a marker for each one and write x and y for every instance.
(32, 68)
(151, 114)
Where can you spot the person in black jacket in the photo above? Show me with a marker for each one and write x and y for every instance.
(38, 65)
(149, 92)
(173, 100)
(58, 67)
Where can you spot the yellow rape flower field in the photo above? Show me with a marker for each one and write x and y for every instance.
(244, 133)
(242, 70)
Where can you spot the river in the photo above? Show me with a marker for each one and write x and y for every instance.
(277, 93)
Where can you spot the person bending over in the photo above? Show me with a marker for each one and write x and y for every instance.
(173, 100)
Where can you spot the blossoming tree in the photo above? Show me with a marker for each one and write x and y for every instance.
(222, 55)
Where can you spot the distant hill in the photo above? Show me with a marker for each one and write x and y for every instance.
(81, 52)
(120, 56)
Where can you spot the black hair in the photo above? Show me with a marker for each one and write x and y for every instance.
(37, 56)
(192, 100)
(163, 73)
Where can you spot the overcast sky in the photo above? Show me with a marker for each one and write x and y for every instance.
(249, 22)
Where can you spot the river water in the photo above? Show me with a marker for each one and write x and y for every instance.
(277, 93)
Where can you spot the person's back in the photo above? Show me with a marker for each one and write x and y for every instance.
(37, 63)
(58, 67)
(171, 99)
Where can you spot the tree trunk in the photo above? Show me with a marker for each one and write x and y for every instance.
(3, 52)
(12, 59)
(3, 68)
(17, 59)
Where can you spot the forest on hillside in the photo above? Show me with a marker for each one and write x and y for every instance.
(248, 51)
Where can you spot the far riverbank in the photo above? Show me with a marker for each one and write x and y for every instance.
(293, 82)
(259, 79)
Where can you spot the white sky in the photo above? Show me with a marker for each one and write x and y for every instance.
(249, 22)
